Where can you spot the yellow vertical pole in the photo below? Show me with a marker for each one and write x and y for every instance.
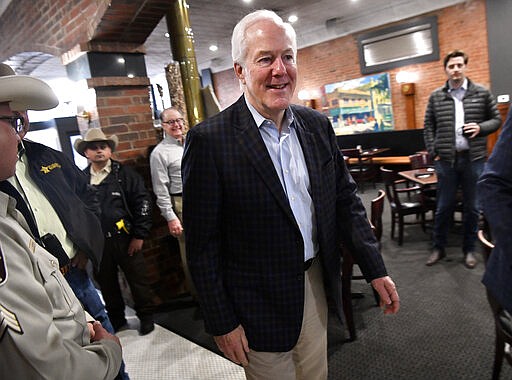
(182, 47)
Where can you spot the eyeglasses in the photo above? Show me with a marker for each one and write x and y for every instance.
(179, 120)
(17, 122)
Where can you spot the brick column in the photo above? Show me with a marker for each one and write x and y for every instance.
(123, 108)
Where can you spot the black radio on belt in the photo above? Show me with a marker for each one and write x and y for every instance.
(52, 244)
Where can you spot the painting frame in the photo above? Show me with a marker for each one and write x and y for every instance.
(359, 105)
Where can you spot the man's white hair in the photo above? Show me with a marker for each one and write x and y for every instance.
(238, 39)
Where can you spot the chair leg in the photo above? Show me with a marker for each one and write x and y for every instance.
(401, 230)
(346, 280)
(498, 356)
(376, 296)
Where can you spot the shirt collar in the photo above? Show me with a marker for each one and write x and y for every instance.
(259, 119)
(173, 140)
(106, 169)
(463, 87)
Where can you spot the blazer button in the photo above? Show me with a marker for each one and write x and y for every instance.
(300, 277)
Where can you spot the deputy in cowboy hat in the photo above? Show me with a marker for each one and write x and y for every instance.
(39, 313)
(126, 222)
(23, 92)
(94, 135)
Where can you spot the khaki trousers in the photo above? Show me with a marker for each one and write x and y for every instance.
(177, 204)
(308, 359)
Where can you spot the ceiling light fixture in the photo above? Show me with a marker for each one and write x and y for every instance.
(213, 48)
(292, 19)
(167, 35)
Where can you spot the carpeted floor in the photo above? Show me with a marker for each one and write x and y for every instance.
(444, 329)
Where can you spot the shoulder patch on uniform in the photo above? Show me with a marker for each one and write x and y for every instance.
(8, 320)
(3, 268)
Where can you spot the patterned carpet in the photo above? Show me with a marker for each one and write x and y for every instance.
(444, 330)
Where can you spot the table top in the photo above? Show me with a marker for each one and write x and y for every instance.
(423, 176)
(373, 151)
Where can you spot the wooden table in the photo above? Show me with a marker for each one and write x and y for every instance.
(365, 155)
(423, 176)
(373, 151)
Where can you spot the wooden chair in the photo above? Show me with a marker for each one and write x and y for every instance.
(377, 208)
(502, 319)
(376, 211)
(421, 160)
(404, 200)
(362, 170)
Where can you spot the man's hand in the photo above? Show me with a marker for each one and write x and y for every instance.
(135, 246)
(471, 130)
(175, 228)
(91, 330)
(389, 300)
(234, 345)
(80, 260)
(100, 333)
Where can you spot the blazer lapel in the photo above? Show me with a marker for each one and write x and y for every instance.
(311, 155)
(249, 138)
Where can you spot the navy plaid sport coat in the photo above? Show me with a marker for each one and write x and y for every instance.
(244, 248)
(495, 189)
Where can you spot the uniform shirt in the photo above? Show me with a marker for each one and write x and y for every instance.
(165, 163)
(98, 176)
(286, 154)
(46, 217)
(43, 329)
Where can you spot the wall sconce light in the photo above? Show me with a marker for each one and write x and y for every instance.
(408, 91)
(85, 115)
(308, 97)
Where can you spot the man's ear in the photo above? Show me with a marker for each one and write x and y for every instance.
(26, 124)
(239, 72)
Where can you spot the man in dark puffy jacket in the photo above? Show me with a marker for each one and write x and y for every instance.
(458, 118)
(126, 222)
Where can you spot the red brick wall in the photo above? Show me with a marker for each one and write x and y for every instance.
(48, 26)
(462, 26)
(125, 111)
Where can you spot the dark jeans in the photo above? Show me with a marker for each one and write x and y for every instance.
(86, 293)
(463, 173)
(115, 254)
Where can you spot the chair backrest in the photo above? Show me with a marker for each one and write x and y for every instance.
(389, 177)
(352, 152)
(356, 153)
(377, 208)
(398, 189)
(420, 160)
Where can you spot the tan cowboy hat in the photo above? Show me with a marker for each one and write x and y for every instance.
(24, 92)
(95, 135)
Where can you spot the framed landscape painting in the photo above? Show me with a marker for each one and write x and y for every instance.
(359, 105)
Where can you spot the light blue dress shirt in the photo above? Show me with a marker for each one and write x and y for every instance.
(461, 142)
(288, 159)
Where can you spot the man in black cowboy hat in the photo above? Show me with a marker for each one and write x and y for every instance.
(126, 222)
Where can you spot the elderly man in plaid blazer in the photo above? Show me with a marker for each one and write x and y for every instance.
(267, 200)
